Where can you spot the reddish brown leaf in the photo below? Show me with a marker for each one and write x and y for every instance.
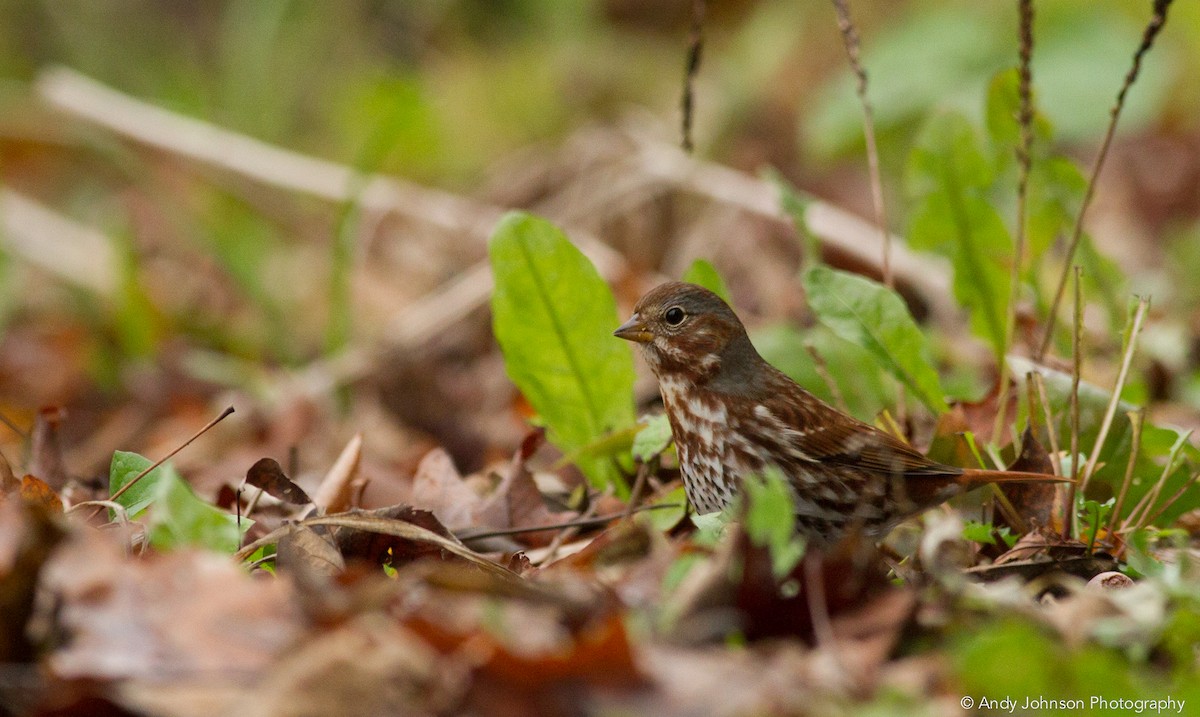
(8, 481)
(379, 548)
(1040, 505)
(268, 475)
(34, 490)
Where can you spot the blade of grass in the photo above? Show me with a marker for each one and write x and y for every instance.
(1111, 411)
(1136, 420)
(1071, 524)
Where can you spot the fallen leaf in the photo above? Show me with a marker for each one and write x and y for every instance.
(439, 488)
(35, 490)
(302, 550)
(182, 615)
(266, 474)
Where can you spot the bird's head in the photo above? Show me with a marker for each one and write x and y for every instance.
(685, 329)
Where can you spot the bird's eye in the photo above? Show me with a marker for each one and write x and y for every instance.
(674, 316)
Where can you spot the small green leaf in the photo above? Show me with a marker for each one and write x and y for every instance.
(653, 439)
(553, 316)
(771, 519)
(665, 519)
(179, 518)
(875, 317)
(702, 272)
(125, 467)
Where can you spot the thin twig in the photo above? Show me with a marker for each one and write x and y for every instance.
(1024, 161)
(639, 484)
(1156, 23)
(1070, 525)
(167, 457)
(1171, 501)
(1039, 384)
(1136, 419)
(691, 69)
(851, 43)
(577, 523)
(1137, 517)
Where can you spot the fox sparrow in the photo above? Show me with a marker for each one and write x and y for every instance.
(733, 414)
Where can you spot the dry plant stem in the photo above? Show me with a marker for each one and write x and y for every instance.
(566, 534)
(822, 370)
(1111, 411)
(1137, 516)
(577, 523)
(1136, 420)
(1152, 29)
(167, 457)
(78, 254)
(695, 49)
(1171, 501)
(1024, 160)
(1039, 384)
(1070, 525)
(639, 484)
(851, 43)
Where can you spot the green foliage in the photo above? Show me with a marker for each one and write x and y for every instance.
(796, 203)
(986, 533)
(176, 516)
(949, 173)
(771, 519)
(553, 316)
(865, 389)
(875, 317)
(124, 467)
(653, 438)
(702, 272)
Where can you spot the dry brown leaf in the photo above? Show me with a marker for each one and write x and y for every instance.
(302, 550)
(177, 616)
(439, 488)
(34, 490)
(266, 474)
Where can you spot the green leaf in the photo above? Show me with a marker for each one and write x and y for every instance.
(179, 518)
(702, 272)
(968, 230)
(653, 439)
(771, 519)
(125, 467)
(875, 317)
(553, 316)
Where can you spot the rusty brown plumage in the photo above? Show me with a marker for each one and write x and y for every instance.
(733, 414)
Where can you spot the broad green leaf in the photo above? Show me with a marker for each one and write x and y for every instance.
(125, 467)
(702, 272)
(771, 519)
(875, 317)
(653, 439)
(969, 231)
(950, 174)
(665, 519)
(179, 518)
(553, 316)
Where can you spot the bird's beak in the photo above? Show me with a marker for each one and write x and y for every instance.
(634, 330)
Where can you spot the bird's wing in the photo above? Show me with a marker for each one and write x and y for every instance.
(830, 436)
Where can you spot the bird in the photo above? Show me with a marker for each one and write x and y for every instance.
(734, 415)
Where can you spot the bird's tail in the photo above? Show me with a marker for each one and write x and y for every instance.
(976, 477)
